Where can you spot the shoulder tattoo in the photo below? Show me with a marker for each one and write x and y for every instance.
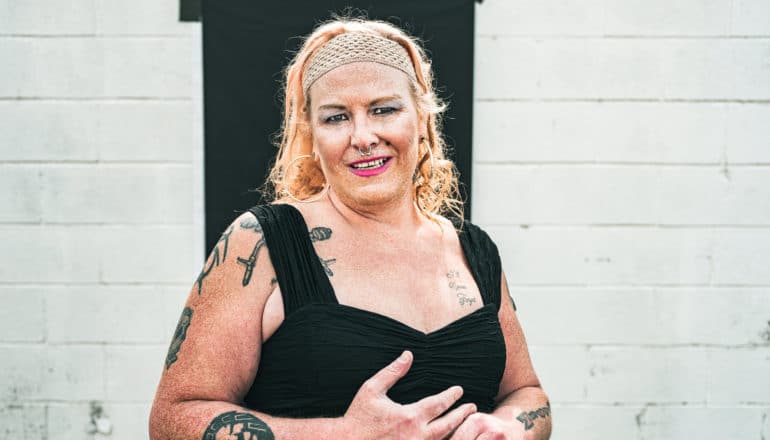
(250, 262)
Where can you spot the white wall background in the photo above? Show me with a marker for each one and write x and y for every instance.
(98, 137)
(622, 162)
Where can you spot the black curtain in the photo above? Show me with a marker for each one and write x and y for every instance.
(246, 44)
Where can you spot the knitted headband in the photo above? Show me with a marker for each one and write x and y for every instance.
(353, 47)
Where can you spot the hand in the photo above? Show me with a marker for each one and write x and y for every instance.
(481, 426)
(372, 415)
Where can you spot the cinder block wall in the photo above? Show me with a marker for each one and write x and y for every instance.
(622, 162)
(97, 143)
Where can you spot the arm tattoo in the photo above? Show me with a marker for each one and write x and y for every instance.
(459, 289)
(215, 257)
(528, 418)
(251, 427)
(179, 336)
(251, 223)
(251, 262)
(318, 233)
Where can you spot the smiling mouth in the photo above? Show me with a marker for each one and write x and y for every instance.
(370, 165)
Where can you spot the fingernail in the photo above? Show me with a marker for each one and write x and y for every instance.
(458, 391)
(404, 357)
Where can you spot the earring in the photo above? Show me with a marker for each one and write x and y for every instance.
(313, 198)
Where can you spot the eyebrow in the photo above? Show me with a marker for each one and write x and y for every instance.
(373, 102)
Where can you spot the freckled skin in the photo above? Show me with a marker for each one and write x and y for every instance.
(363, 95)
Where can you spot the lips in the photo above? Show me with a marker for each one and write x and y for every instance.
(370, 167)
(369, 164)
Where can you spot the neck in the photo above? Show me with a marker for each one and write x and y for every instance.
(398, 214)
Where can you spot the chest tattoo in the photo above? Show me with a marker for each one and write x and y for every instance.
(458, 288)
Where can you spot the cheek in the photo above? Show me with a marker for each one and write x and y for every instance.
(326, 140)
(330, 146)
(403, 130)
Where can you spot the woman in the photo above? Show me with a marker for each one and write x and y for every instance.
(292, 327)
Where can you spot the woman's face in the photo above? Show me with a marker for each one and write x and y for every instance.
(360, 106)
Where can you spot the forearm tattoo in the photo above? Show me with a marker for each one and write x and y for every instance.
(180, 334)
(214, 258)
(241, 425)
(528, 418)
(459, 289)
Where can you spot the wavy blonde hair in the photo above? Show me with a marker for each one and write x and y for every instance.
(435, 185)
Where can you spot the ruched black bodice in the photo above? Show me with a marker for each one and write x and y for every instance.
(323, 351)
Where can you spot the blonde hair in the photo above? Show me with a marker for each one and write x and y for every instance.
(435, 186)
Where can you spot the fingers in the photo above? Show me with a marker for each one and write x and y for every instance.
(443, 426)
(482, 426)
(384, 379)
(433, 406)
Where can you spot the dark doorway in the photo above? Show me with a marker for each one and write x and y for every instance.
(246, 44)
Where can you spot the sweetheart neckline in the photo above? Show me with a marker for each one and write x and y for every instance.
(380, 316)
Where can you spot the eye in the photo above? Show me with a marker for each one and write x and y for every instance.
(383, 110)
(336, 118)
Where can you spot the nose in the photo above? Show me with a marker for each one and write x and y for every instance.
(363, 134)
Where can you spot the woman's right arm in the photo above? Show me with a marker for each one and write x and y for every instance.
(215, 352)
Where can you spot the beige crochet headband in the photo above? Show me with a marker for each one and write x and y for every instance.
(353, 47)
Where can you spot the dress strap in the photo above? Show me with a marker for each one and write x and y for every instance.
(300, 275)
(484, 259)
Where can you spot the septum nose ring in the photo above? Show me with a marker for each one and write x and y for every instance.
(368, 151)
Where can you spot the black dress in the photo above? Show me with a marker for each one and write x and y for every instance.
(316, 360)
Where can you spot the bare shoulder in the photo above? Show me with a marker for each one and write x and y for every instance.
(238, 261)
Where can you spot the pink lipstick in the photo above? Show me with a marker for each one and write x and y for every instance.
(370, 166)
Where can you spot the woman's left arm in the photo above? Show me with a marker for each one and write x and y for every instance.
(523, 411)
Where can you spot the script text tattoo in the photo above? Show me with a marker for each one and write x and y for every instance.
(459, 289)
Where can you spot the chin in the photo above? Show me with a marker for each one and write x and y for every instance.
(378, 195)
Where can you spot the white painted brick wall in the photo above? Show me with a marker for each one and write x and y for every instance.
(628, 140)
(105, 130)
(622, 163)
(646, 315)
(98, 142)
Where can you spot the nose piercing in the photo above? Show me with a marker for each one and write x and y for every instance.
(368, 151)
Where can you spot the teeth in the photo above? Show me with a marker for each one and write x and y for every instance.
(370, 164)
